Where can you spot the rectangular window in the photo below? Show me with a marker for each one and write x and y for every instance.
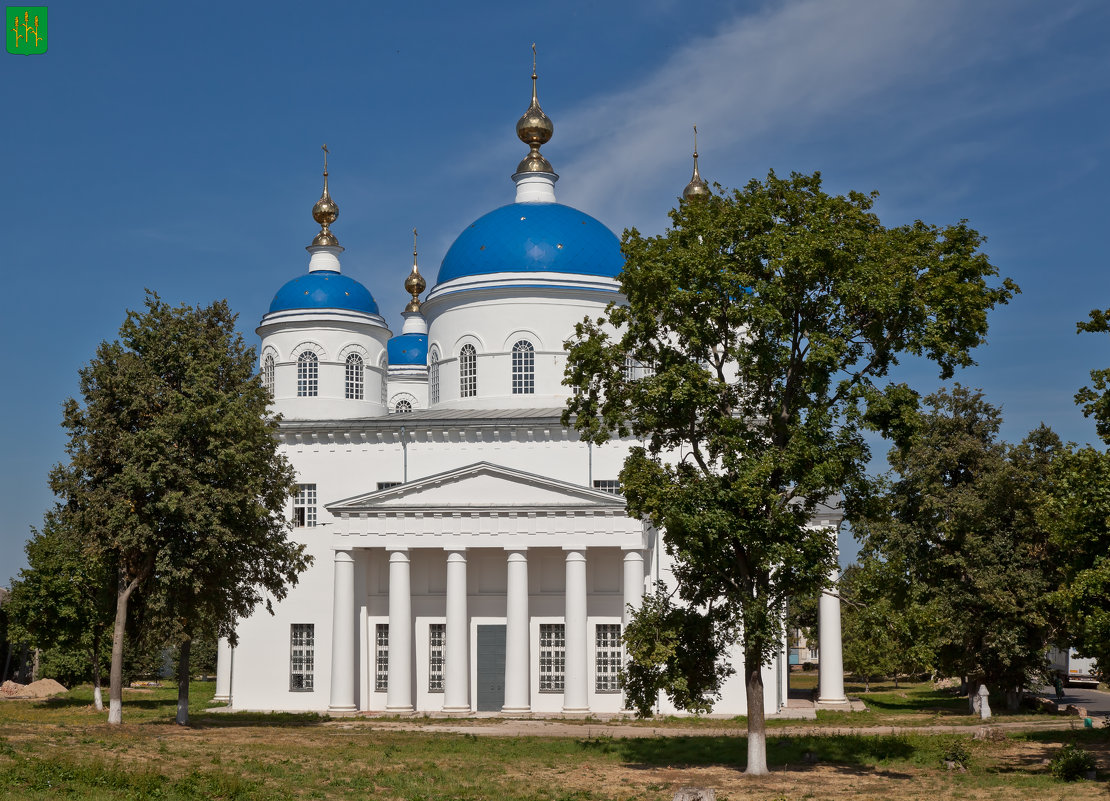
(553, 657)
(304, 506)
(608, 485)
(607, 658)
(387, 484)
(381, 657)
(437, 649)
(301, 650)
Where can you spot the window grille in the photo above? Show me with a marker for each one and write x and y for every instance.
(402, 407)
(607, 658)
(433, 376)
(524, 368)
(385, 383)
(381, 656)
(387, 484)
(468, 372)
(268, 373)
(304, 506)
(301, 656)
(553, 656)
(355, 377)
(629, 368)
(607, 485)
(308, 375)
(437, 650)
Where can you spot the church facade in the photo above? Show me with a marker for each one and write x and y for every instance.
(471, 554)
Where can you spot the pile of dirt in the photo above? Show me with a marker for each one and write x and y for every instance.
(10, 689)
(43, 688)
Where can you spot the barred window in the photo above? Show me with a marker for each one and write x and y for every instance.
(355, 377)
(468, 372)
(402, 407)
(630, 368)
(433, 376)
(381, 656)
(268, 373)
(607, 658)
(301, 656)
(607, 485)
(387, 484)
(308, 375)
(524, 368)
(553, 657)
(304, 506)
(437, 648)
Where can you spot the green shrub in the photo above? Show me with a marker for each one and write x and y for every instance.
(1072, 762)
(956, 751)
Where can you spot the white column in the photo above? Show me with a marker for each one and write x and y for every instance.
(633, 584)
(575, 689)
(399, 695)
(343, 635)
(456, 677)
(223, 671)
(831, 667)
(517, 666)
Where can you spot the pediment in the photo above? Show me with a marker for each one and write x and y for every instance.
(479, 486)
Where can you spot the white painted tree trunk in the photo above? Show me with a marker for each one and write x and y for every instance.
(98, 699)
(757, 736)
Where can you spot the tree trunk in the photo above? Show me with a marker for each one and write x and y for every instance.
(98, 699)
(115, 688)
(757, 734)
(183, 682)
(35, 665)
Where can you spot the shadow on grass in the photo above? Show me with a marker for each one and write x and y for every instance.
(848, 753)
(232, 720)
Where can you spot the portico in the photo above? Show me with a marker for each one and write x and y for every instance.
(517, 600)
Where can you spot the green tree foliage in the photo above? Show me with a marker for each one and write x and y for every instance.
(959, 517)
(887, 627)
(765, 320)
(64, 602)
(175, 477)
(1078, 514)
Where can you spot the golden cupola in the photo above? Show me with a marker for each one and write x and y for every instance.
(414, 283)
(534, 128)
(325, 212)
(697, 189)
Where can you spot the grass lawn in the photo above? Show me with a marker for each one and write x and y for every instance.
(63, 748)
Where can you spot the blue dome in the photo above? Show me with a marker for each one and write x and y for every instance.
(408, 349)
(534, 237)
(324, 289)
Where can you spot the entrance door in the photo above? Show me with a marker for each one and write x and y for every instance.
(491, 668)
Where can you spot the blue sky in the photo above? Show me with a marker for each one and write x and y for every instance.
(177, 147)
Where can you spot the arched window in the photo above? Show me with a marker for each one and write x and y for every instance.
(268, 373)
(433, 375)
(402, 407)
(468, 372)
(524, 368)
(629, 368)
(355, 377)
(308, 375)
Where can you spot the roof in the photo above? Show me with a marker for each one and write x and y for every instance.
(324, 289)
(408, 349)
(534, 237)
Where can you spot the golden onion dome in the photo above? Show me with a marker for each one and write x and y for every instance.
(697, 188)
(325, 211)
(534, 128)
(414, 283)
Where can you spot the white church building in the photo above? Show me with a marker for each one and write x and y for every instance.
(471, 554)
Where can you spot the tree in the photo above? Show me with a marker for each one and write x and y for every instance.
(960, 516)
(174, 474)
(62, 602)
(1078, 515)
(763, 322)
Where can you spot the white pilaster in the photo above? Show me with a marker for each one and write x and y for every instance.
(517, 673)
(399, 695)
(343, 635)
(633, 584)
(223, 671)
(575, 691)
(831, 668)
(457, 657)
